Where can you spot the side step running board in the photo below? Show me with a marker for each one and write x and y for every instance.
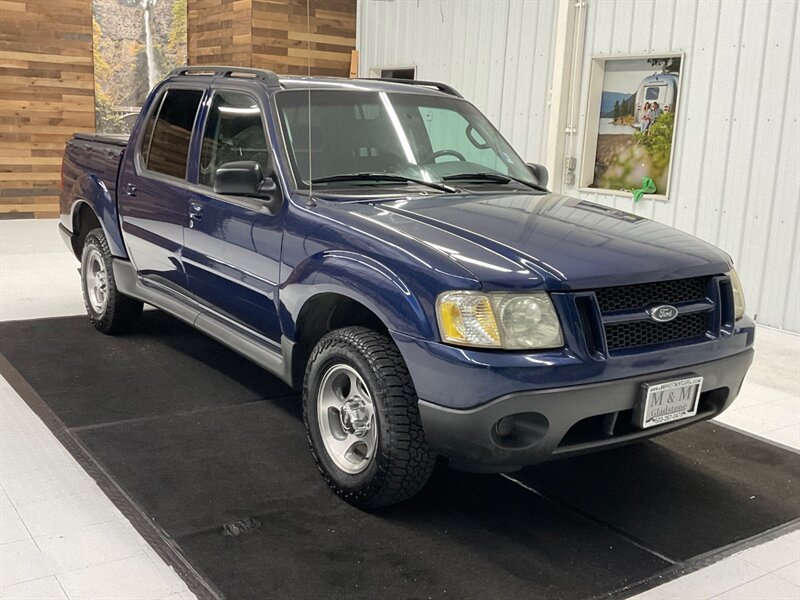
(248, 344)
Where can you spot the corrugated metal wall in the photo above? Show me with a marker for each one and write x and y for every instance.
(498, 54)
(736, 171)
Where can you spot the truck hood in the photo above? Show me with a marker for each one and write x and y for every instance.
(513, 241)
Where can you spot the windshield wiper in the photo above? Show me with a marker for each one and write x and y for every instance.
(378, 177)
(494, 177)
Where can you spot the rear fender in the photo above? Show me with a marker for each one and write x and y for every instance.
(360, 278)
(91, 190)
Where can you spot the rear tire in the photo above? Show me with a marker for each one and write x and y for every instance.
(109, 310)
(362, 419)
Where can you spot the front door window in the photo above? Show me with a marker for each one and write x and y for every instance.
(234, 132)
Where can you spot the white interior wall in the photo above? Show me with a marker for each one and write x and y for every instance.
(736, 166)
(497, 54)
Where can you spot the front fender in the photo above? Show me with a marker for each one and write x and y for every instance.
(89, 189)
(359, 278)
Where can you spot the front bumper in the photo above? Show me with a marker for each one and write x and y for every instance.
(568, 420)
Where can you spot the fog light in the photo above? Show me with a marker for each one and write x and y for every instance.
(520, 430)
(504, 426)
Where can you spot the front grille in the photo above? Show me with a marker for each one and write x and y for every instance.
(633, 334)
(628, 297)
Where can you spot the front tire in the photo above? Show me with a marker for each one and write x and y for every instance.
(109, 310)
(362, 419)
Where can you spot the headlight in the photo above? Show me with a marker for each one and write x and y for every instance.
(498, 320)
(738, 295)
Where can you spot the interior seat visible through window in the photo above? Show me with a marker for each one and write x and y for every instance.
(234, 132)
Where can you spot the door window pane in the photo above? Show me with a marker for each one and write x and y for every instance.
(234, 132)
(151, 123)
(168, 152)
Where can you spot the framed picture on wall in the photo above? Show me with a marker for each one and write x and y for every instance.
(631, 124)
(136, 44)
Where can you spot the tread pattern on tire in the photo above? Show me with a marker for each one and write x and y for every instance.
(406, 467)
(122, 312)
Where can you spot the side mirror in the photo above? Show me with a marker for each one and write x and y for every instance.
(238, 178)
(245, 178)
(540, 172)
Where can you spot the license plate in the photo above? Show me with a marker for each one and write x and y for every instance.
(668, 401)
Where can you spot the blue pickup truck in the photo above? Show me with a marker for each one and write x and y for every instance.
(379, 246)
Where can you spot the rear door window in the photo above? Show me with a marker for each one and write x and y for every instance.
(168, 149)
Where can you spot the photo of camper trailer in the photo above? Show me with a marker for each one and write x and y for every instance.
(637, 112)
(661, 88)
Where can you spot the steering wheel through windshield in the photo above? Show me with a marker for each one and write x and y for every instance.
(432, 158)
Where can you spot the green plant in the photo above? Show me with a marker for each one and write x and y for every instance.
(104, 118)
(658, 139)
(177, 31)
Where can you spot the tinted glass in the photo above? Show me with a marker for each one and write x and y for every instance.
(168, 152)
(414, 135)
(234, 131)
(151, 122)
(398, 73)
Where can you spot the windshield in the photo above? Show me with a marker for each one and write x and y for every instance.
(417, 136)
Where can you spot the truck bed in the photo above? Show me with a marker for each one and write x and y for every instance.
(109, 139)
(92, 154)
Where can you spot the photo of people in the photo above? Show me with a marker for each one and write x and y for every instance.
(637, 119)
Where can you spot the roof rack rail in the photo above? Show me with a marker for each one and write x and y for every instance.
(442, 87)
(269, 77)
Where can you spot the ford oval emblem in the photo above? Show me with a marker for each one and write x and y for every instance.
(663, 313)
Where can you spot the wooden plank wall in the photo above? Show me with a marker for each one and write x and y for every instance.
(219, 32)
(46, 94)
(283, 30)
(273, 34)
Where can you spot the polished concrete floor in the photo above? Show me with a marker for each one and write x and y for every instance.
(60, 537)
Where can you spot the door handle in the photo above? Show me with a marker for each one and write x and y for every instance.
(195, 212)
(130, 190)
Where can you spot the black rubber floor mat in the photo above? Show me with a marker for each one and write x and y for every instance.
(685, 494)
(164, 367)
(465, 537)
(213, 450)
